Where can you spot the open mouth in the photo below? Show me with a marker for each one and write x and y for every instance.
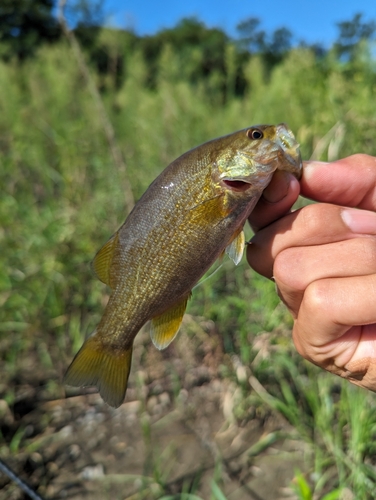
(236, 185)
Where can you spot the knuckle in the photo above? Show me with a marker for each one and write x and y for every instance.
(316, 298)
(313, 216)
(368, 251)
(319, 220)
(286, 264)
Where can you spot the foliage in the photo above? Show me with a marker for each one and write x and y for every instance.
(351, 34)
(272, 46)
(24, 25)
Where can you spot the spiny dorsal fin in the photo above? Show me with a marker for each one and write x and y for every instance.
(236, 248)
(164, 327)
(101, 264)
(106, 369)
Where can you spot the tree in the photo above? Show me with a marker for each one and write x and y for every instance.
(350, 34)
(189, 34)
(280, 42)
(86, 17)
(254, 40)
(24, 25)
(251, 38)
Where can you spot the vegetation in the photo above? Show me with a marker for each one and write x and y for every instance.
(62, 196)
(24, 25)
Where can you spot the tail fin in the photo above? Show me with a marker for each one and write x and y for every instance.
(103, 367)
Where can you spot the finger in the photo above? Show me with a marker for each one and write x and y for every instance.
(350, 181)
(353, 357)
(337, 331)
(276, 201)
(296, 267)
(331, 306)
(312, 225)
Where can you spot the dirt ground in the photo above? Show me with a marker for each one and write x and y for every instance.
(178, 429)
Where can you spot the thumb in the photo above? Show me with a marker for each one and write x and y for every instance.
(350, 181)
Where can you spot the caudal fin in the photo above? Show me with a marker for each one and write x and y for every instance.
(108, 370)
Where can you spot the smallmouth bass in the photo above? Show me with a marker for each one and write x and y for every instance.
(191, 214)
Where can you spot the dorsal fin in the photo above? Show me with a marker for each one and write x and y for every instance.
(236, 248)
(101, 264)
(165, 327)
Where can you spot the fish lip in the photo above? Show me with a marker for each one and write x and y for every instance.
(289, 150)
(291, 161)
(285, 137)
(292, 150)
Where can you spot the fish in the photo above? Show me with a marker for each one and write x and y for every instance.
(190, 216)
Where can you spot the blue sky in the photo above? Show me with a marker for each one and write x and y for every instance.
(312, 21)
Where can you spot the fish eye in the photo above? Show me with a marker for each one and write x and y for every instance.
(255, 133)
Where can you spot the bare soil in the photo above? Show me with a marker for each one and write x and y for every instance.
(178, 429)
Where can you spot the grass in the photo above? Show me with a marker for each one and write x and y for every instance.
(62, 197)
(336, 419)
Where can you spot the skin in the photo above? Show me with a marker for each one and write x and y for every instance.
(323, 261)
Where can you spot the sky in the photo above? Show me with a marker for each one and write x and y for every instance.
(308, 20)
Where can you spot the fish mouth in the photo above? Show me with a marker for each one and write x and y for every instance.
(289, 153)
(236, 185)
(286, 139)
(241, 184)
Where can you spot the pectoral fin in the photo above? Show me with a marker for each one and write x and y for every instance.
(209, 211)
(165, 327)
(101, 264)
(236, 248)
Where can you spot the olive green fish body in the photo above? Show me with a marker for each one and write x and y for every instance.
(187, 218)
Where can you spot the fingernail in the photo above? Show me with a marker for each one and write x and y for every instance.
(278, 187)
(359, 221)
(309, 167)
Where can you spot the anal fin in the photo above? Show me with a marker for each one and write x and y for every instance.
(236, 248)
(165, 327)
(102, 367)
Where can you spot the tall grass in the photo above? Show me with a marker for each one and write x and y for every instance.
(62, 197)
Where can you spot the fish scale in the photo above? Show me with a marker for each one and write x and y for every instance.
(189, 216)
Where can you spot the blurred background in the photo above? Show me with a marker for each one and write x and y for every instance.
(93, 105)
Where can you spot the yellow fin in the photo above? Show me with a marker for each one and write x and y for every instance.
(106, 369)
(102, 261)
(210, 210)
(236, 248)
(165, 327)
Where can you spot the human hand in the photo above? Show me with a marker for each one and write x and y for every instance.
(323, 260)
